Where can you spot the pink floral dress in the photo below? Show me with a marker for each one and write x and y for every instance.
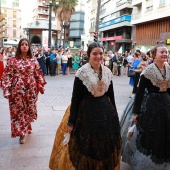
(19, 80)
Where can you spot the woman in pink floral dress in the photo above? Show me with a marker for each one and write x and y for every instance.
(22, 80)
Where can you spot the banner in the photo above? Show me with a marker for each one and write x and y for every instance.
(45, 38)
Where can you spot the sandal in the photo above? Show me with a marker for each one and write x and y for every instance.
(22, 139)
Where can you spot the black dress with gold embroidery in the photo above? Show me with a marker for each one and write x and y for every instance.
(153, 121)
(95, 141)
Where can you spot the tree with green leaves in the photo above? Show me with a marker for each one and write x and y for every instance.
(65, 9)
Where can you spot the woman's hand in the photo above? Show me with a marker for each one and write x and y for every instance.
(135, 116)
(70, 128)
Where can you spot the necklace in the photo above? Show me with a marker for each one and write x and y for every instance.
(160, 70)
(100, 72)
(164, 82)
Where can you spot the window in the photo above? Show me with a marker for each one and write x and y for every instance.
(149, 8)
(15, 4)
(6, 32)
(14, 14)
(5, 13)
(14, 33)
(14, 23)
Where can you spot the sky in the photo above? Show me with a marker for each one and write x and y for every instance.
(26, 8)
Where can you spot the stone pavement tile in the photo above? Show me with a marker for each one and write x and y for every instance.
(32, 163)
(59, 108)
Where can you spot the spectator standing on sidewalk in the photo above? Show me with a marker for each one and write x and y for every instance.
(92, 120)
(22, 80)
(85, 59)
(125, 64)
(53, 63)
(76, 63)
(58, 57)
(47, 60)
(119, 64)
(41, 60)
(130, 60)
(64, 62)
(69, 61)
(114, 60)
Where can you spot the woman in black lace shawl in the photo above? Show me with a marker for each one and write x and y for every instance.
(149, 147)
(93, 121)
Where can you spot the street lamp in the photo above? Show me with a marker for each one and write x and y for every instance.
(49, 28)
(26, 31)
(65, 25)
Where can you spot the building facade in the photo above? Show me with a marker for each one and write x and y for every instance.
(115, 28)
(76, 27)
(89, 22)
(10, 22)
(39, 26)
(151, 20)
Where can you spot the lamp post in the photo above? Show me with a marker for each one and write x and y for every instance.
(26, 30)
(64, 25)
(49, 28)
(49, 31)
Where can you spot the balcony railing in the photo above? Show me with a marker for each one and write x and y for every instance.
(122, 2)
(43, 12)
(115, 21)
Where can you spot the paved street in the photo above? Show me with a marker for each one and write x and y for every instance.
(35, 153)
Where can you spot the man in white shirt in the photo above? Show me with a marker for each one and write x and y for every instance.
(130, 58)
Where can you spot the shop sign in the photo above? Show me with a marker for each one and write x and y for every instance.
(112, 43)
(168, 41)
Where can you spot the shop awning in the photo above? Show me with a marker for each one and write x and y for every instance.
(111, 38)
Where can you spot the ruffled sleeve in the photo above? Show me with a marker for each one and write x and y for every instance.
(140, 94)
(7, 77)
(76, 98)
(39, 77)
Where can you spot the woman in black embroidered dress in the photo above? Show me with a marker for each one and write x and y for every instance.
(149, 147)
(95, 142)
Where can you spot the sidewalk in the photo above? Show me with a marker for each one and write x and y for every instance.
(35, 153)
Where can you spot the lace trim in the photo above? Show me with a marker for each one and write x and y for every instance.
(152, 73)
(90, 79)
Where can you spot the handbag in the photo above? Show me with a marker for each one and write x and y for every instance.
(131, 73)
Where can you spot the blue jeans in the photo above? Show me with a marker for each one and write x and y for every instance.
(64, 66)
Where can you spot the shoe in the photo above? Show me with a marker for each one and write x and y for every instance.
(22, 139)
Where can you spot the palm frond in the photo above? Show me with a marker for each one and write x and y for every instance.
(65, 9)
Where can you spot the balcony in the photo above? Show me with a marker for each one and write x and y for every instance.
(122, 2)
(116, 21)
(43, 12)
(136, 2)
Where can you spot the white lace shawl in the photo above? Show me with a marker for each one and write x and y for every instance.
(90, 79)
(152, 73)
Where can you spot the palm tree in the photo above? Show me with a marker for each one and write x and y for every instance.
(64, 11)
